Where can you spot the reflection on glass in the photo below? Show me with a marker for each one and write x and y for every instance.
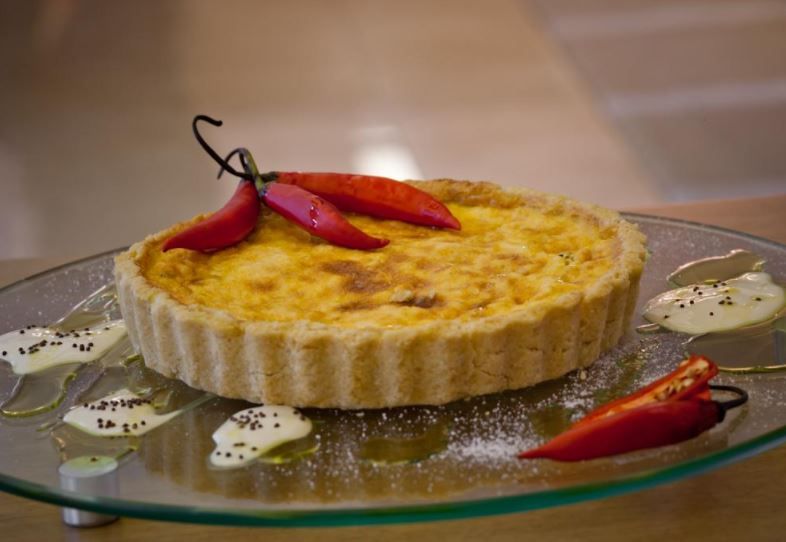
(756, 348)
(737, 262)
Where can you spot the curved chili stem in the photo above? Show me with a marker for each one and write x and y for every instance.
(234, 221)
(725, 406)
(249, 167)
(227, 158)
(208, 149)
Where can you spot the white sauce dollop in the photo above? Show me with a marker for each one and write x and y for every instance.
(719, 306)
(34, 349)
(250, 433)
(120, 414)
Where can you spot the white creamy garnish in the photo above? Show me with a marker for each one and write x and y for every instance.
(719, 306)
(250, 433)
(34, 349)
(120, 414)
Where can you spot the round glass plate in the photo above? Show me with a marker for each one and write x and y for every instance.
(376, 466)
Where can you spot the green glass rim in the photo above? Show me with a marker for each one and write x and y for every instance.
(406, 513)
(447, 510)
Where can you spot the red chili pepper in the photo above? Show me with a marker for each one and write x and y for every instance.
(690, 379)
(298, 198)
(647, 426)
(226, 227)
(374, 196)
(317, 216)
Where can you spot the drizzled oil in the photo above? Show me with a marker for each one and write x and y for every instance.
(166, 395)
(292, 451)
(629, 371)
(37, 393)
(33, 394)
(72, 443)
(551, 420)
(396, 450)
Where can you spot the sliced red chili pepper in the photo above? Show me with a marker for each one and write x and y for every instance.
(690, 379)
(317, 216)
(647, 426)
(374, 196)
(226, 227)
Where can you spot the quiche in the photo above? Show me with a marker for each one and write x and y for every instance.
(533, 286)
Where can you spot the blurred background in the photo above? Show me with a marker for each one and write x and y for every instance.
(627, 103)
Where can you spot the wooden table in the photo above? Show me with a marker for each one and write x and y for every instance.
(743, 501)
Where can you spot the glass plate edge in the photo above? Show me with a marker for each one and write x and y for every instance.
(405, 513)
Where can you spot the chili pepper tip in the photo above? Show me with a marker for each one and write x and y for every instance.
(452, 223)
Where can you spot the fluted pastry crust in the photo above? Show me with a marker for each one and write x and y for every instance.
(315, 364)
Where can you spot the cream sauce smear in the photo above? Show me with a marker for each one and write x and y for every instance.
(119, 414)
(34, 348)
(252, 432)
(717, 306)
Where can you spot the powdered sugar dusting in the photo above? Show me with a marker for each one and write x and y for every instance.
(489, 450)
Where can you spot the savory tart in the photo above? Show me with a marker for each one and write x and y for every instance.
(533, 286)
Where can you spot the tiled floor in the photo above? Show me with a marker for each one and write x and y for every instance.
(96, 100)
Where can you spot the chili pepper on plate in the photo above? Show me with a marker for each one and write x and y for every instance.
(672, 409)
(647, 426)
(690, 379)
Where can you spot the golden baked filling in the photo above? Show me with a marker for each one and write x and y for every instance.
(502, 258)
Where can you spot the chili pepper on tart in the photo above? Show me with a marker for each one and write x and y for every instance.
(672, 409)
(353, 291)
(306, 199)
